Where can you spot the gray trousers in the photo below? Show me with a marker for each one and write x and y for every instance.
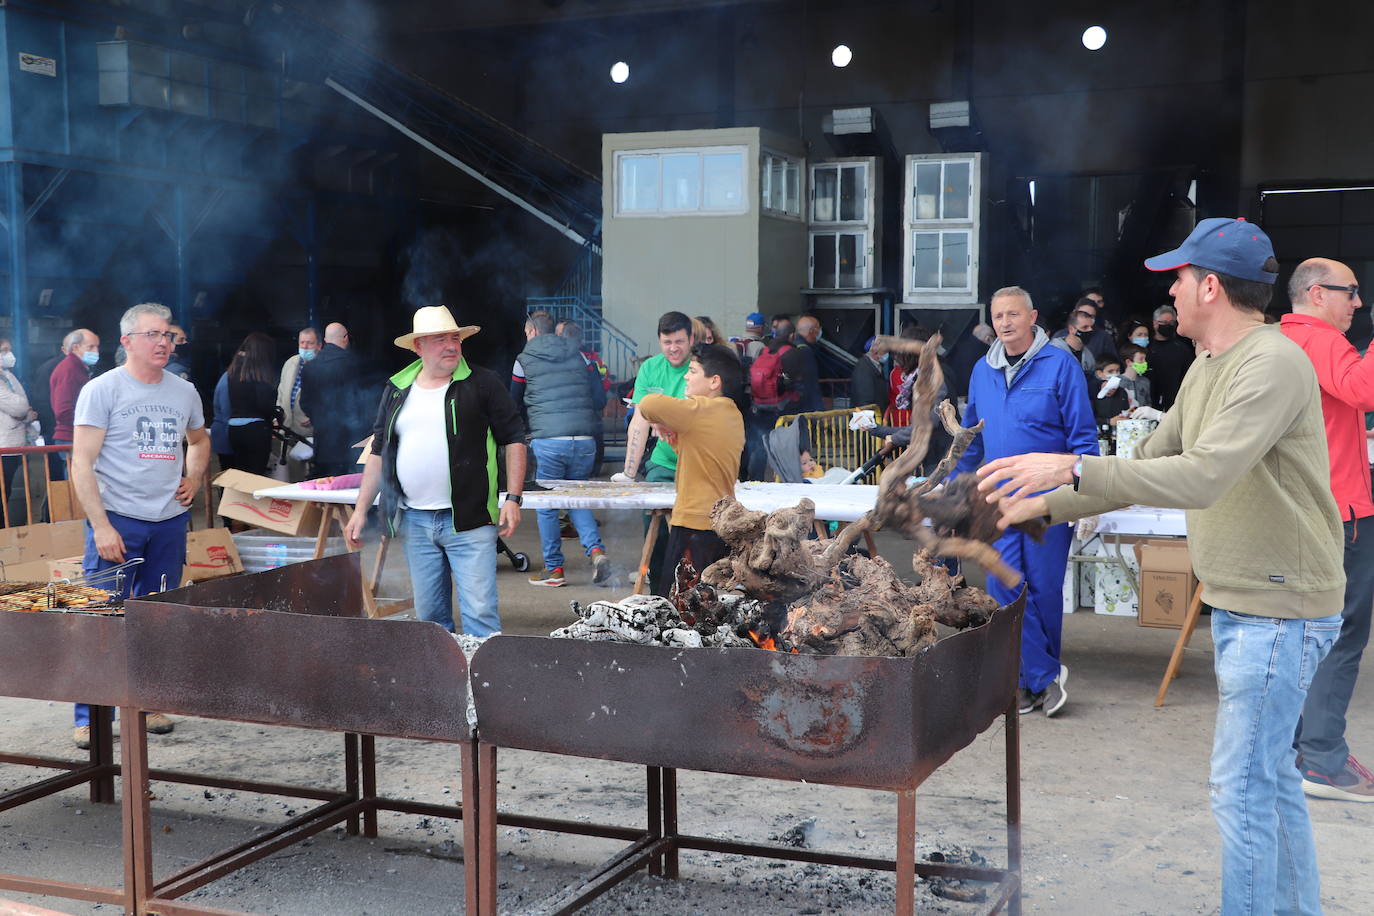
(1321, 732)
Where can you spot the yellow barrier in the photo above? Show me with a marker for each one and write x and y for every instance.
(833, 443)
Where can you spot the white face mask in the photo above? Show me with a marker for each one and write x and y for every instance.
(7, 360)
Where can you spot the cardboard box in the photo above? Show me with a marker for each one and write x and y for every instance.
(62, 501)
(1167, 582)
(210, 553)
(26, 543)
(47, 570)
(292, 517)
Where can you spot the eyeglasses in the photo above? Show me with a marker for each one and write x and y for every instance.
(1353, 289)
(153, 336)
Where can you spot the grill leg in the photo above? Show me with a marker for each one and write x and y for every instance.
(102, 754)
(654, 811)
(351, 777)
(138, 831)
(670, 822)
(369, 769)
(485, 859)
(1013, 739)
(473, 855)
(906, 853)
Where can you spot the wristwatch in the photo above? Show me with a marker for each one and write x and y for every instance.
(515, 498)
(1077, 472)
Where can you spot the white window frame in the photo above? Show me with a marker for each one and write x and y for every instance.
(838, 165)
(911, 226)
(660, 212)
(865, 251)
(794, 164)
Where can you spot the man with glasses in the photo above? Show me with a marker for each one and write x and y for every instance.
(433, 459)
(1325, 296)
(127, 469)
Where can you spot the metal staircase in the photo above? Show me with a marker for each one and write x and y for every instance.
(529, 175)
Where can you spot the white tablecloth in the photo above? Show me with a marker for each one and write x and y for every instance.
(833, 502)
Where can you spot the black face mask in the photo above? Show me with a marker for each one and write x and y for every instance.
(1168, 330)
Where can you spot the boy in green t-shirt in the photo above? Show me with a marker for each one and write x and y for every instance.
(665, 373)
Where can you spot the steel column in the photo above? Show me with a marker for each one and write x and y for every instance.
(15, 216)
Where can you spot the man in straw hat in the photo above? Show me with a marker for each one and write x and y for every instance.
(1243, 449)
(433, 459)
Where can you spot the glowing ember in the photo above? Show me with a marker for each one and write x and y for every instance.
(770, 643)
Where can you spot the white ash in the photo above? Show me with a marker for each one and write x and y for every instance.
(470, 645)
(648, 620)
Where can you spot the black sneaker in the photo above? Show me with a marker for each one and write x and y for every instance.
(1029, 702)
(1055, 694)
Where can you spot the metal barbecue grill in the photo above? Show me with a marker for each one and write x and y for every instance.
(874, 723)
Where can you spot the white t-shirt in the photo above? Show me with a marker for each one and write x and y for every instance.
(422, 449)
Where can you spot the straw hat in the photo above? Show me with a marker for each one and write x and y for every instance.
(433, 319)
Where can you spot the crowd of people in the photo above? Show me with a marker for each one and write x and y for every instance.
(1261, 439)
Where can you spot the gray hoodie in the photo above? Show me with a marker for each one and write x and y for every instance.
(997, 354)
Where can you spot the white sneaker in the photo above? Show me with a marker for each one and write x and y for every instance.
(1055, 694)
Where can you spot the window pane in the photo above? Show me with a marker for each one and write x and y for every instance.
(823, 261)
(925, 251)
(851, 260)
(639, 183)
(954, 260)
(927, 202)
(724, 177)
(956, 193)
(794, 189)
(823, 210)
(765, 191)
(681, 181)
(777, 185)
(853, 193)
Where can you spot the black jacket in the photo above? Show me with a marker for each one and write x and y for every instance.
(336, 396)
(868, 385)
(478, 416)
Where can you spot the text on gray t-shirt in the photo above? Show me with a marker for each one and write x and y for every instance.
(139, 466)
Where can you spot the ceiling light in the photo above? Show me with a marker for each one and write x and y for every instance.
(841, 56)
(620, 71)
(1094, 37)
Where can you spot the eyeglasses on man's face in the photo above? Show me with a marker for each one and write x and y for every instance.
(154, 336)
(1352, 290)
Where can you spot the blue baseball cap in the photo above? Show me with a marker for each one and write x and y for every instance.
(1228, 246)
(753, 320)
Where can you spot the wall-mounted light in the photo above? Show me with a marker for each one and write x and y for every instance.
(1094, 37)
(841, 56)
(620, 71)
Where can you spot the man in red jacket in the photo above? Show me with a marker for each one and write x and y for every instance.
(1325, 296)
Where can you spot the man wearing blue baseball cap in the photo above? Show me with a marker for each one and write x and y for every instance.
(1243, 450)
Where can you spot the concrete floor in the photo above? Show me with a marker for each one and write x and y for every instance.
(1115, 800)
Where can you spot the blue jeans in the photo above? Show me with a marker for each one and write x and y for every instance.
(1042, 625)
(1264, 666)
(440, 558)
(565, 459)
(162, 545)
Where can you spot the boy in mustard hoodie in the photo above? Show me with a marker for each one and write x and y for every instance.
(707, 431)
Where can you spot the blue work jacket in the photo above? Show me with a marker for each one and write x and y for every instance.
(1046, 409)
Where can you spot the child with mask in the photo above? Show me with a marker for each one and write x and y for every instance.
(1133, 379)
(1112, 403)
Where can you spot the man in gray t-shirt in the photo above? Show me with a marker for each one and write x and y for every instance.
(127, 467)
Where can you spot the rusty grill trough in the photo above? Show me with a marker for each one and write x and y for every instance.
(874, 723)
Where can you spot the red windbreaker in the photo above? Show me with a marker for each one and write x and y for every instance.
(1347, 383)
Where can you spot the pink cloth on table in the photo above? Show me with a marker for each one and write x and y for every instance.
(342, 482)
